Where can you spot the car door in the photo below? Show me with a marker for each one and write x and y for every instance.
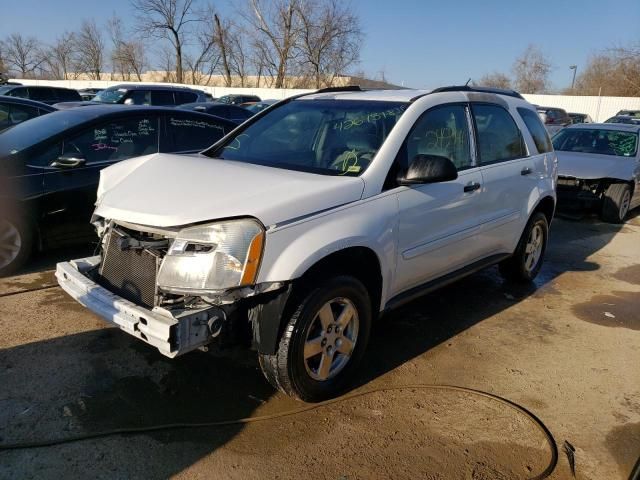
(510, 177)
(188, 132)
(438, 222)
(70, 182)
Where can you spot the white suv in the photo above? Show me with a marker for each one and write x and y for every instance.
(310, 220)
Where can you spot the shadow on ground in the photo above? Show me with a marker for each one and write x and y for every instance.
(104, 379)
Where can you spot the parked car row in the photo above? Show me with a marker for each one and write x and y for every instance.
(50, 166)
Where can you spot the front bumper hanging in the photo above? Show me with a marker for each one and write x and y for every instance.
(171, 332)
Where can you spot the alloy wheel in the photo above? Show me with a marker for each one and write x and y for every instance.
(10, 243)
(331, 339)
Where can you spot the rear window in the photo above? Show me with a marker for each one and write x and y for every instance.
(597, 140)
(330, 137)
(536, 129)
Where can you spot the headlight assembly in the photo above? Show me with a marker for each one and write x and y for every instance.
(212, 257)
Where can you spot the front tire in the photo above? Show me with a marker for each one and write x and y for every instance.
(525, 263)
(323, 341)
(616, 202)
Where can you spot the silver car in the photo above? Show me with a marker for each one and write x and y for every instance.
(599, 168)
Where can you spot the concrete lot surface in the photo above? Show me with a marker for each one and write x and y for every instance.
(567, 349)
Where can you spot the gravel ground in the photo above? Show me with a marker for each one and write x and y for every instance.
(567, 349)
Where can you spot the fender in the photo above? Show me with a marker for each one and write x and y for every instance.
(372, 223)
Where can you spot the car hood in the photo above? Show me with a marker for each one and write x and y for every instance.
(591, 166)
(86, 103)
(166, 190)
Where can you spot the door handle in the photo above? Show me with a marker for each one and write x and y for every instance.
(471, 186)
(68, 162)
(526, 171)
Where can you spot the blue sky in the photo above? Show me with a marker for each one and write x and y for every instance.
(423, 44)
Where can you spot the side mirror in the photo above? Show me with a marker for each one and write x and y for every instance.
(69, 161)
(429, 169)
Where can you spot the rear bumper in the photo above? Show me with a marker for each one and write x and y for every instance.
(171, 332)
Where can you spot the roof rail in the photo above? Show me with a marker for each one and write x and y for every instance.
(347, 88)
(467, 88)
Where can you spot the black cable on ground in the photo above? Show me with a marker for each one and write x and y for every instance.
(18, 292)
(306, 408)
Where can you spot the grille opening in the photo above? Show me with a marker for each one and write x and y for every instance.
(130, 272)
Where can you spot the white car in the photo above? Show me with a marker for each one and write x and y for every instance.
(311, 219)
(599, 168)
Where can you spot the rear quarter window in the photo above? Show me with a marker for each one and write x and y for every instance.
(188, 133)
(536, 129)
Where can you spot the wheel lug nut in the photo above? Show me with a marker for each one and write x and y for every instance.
(329, 349)
(329, 329)
(323, 342)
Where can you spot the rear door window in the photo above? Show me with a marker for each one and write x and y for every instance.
(42, 94)
(11, 114)
(499, 138)
(162, 97)
(116, 140)
(185, 97)
(192, 133)
(536, 129)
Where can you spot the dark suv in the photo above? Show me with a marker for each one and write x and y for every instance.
(554, 119)
(156, 95)
(48, 95)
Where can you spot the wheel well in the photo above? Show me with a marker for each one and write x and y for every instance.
(359, 262)
(547, 206)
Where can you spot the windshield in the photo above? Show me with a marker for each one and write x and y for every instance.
(110, 95)
(596, 140)
(331, 137)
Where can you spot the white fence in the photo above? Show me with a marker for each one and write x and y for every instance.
(599, 108)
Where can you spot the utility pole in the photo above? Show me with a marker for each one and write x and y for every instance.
(573, 81)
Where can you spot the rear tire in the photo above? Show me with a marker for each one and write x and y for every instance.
(616, 202)
(323, 341)
(16, 244)
(525, 263)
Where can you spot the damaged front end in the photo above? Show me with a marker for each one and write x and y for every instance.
(175, 288)
(580, 194)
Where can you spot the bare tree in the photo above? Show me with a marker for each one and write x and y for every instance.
(277, 27)
(330, 39)
(204, 60)
(89, 46)
(495, 79)
(225, 46)
(22, 54)
(127, 55)
(531, 71)
(168, 20)
(615, 72)
(60, 56)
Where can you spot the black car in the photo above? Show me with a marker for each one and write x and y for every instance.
(261, 105)
(16, 110)
(141, 94)
(237, 99)
(48, 95)
(230, 112)
(628, 119)
(50, 166)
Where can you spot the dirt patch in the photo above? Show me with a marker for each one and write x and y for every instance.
(618, 310)
(630, 274)
(624, 444)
